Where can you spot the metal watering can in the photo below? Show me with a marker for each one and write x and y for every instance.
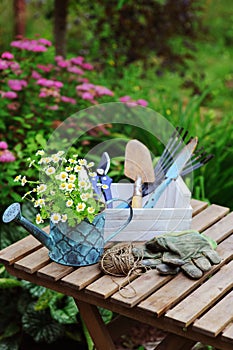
(72, 246)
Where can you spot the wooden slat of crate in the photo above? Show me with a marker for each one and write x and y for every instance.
(227, 334)
(216, 319)
(198, 206)
(82, 276)
(175, 290)
(54, 271)
(208, 217)
(107, 285)
(19, 249)
(33, 261)
(142, 287)
(207, 294)
(151, 224)
(221, 229)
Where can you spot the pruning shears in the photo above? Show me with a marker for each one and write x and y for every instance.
(101, 183)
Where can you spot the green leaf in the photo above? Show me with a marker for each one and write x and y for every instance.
(10, 331)
(41, 140)
(41, 326)
(9, 283)
(63, 309)
(106, 315)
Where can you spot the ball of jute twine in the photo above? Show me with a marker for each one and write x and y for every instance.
(120, 261)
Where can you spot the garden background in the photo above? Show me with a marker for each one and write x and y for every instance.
(174, 57)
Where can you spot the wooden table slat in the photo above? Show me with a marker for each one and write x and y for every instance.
(54, 271)
(142, 287)
(198, 206)
(33, 261)
(221, 229)
(82, 276)
(194, 305)
(208, 217)
(105, 286)
(217, 318)
(227, 334)
(19, 249)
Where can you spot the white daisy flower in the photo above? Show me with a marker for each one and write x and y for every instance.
(72, 161)
(72, 178)
(41, 202)
(69, 203)
(77, 168)
(80, 206)
(62, 186)
(50, 170)
(39, 219)
(82, 184)
(17, 178)
(47, 160)
(68, 169)
(62, 176)
(70, 187)
(82, 162)
(85, 196)
(60, 153)
(91, 210)
(23, 181)
(36, 204)
(55, 218)
(55, 158)
(64, 218)
(92, 174)
(41, 188)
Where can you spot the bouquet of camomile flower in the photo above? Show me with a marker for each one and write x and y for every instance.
(64, 192)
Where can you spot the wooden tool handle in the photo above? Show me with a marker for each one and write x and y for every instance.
(137, 202)
(137, 195)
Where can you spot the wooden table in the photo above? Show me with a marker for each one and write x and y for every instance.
(187, 310)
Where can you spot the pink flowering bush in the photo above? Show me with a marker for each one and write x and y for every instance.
(35, 83)
(6, 156)
(38, 91)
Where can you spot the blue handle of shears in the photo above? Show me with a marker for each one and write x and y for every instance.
(97, 182)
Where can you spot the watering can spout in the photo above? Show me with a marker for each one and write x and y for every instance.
(13, 213)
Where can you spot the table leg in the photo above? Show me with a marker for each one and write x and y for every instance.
(173, 341)
(95, 326)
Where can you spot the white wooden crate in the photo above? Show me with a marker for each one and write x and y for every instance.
(172, 212)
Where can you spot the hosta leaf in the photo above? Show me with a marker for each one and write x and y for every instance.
(63, 309)
(41, 326)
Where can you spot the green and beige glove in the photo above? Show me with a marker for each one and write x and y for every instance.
(190, 251)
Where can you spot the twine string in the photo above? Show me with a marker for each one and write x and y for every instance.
(120, 261)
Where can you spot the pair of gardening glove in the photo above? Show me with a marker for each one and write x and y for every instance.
(189, 251)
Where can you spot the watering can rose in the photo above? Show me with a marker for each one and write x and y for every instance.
(64, 192)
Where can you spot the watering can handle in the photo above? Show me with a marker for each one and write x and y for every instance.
(125, 223)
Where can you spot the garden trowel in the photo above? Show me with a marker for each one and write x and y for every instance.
(173, 172)
(139, 168)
